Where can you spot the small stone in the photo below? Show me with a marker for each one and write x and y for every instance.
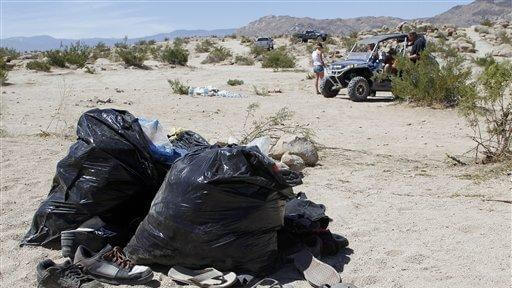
(293, 161)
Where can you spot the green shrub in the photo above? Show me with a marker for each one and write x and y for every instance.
(245, 40)
(278, 58)
(486, 22)
(504, 38)
(56, 58)
(204, 46)
(235, 82)
(180, 41)
(217, 54)
(444, 50)
(348, 42)
(76, 55)
(489, 112)
(101, 50)
(331, 41)
(257, 50)
(177, 87)
(244, 60)
(132, 57)
(38, 66)
(8, 54)
(175, 55)
(426, 83)
(486, 61)
(121, 45)
(3, 72)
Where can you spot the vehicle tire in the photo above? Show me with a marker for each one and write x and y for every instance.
(358, 89)
(326, 88)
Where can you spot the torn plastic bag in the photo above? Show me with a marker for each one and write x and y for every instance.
(160, 146)
(109, 172)
(218, 207)
(188, 140)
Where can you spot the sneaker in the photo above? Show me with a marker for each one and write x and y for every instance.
(65, 275)
(71, 239)
(110, 265)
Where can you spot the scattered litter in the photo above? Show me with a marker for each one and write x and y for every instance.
(211, 91)
(119, 90)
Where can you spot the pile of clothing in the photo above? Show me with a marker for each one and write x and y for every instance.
(176, 201)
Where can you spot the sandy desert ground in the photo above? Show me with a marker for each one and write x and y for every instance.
(413, 219)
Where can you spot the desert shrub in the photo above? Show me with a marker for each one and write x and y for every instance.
(178, 87)
(38, 66)
(101, 50)
(90, 70)
(426, 83)
(217, 54)
(8, 54)
(245, 40)
(489, 112)
(486, 22)
(278, 58)
(121, 45)
(260, 91)
(485, 61)
(56, 58)
(235, 82)
(3, 72)
(257, 50)
(76, 54)
(504, 38)
(443, 49)
(151, 42)
(175, 55)
(178, 41)
(141, 43)
(244, 60)
(232, 36)
(348, 42)
(294, 39)
(204, 46)
(132, 56)
(331, 41)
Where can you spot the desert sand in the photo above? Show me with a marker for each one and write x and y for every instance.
(413, 218)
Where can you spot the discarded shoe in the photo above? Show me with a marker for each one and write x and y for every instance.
(71, 239)
(110, 265)
(65, 275)
(206, 278)
(316, 272)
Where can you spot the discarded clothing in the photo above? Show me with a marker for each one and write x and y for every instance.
(211, 91)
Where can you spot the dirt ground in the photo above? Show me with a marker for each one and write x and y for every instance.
(413, 219)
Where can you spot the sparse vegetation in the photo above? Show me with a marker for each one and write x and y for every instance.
(504, 38)
(486, 22)
(331, 41)
(204, 46)
(56, 58)
(260, 91)
(349, 42)
(244, 60)
(489, 113)
(133, 56)
(257, 50)
(76, 55)
(278, 58)
(8, 54)
(175, 55)
(38, 66)
(426, 83)
(178, 87)
(245, 40)
(444, 50)
(485, 61)
(217, 54)
(101, 50)
(90, 70)
(273, 126)
(235, 82)
(3, 72)
(180, 41)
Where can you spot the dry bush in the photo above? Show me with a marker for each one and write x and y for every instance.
(204, 46)
(38, 66)
(178, 87)
(274, 126)
(489, 113)
(260, 91)
(244, 60)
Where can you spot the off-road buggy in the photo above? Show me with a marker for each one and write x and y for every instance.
(362, 70)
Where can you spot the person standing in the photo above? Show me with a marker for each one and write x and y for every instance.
(318, 64)
(418, 43)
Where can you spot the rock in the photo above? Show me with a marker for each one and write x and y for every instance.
(295, 145)
(482, 29)
(293, 161)
(503, 23)
(504, 50)
(282, 166)
(464, 47)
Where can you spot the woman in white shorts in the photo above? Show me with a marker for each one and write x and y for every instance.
(318, 64)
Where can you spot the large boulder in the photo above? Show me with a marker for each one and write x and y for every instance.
(294, 162)
(295, 145)
(504, 50)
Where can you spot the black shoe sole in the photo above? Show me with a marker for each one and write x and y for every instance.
(143, 280)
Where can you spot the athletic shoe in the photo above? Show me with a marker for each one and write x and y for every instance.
(71, 239)
(110, 265)
(65, 275)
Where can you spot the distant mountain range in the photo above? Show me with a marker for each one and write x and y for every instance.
(41, 43)
(461, 15)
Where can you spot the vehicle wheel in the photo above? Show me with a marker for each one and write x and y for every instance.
(326, 88)
(358, 89)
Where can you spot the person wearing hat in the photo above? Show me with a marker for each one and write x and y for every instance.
(318, 64)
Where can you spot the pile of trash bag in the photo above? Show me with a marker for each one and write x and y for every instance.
(109, 172)
(218, 207)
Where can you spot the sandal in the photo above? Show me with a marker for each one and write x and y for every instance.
(208, 277)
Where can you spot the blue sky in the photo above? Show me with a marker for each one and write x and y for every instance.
(97, 18)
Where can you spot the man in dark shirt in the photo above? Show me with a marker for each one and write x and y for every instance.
(418, 43)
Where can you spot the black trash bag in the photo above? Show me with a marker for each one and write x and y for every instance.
(218, 207)
(188, 140)
(109, 172)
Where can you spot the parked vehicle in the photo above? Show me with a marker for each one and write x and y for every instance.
(265, 42)
(312, 35)
(358, 71)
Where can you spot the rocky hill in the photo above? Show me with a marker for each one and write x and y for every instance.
(461, 15)
(474, 12)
